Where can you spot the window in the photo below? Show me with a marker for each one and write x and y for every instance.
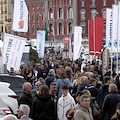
(104, 2)
(5, 29)
(38, 16)
(33, 29)
(93, 13)
(37, 5)
(42, 5)
(43, 17)
(2, 19)
(43, 27)
(82, 3)
(5, 9)
(5, 1)
(28, 17)
(28, 28)
(82, 14)
(83, 25)
(60, 28)
(2, 29)
(69, 28)
(1, 2)
(70, 2)
(51, 28)
(60, 13)
(50, 14)
(33, 17)
(93, 2)
(104, 27)
(1, 9)
(59, 2)
(104, 13)
(70, 13)
(38, 27)
(50, 3)
(115, 2)
(6, 18)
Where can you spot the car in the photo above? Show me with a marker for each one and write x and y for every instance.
(4, 109)
(9, 97)
(16, 82)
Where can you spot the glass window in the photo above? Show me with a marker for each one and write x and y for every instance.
(70, 2)
(43, 17)
(104, 27)
(37, 5)
(104, 2)
(60, 13)
(82, 14)
(93, 13)
(60, 28)
(50, 13)
(38, 16)
(82, 3)
(69, 28)
(6, 18)
(70, 13)
(104, 14)
(51, 28)
(33, 27)
(1, 9)
(38, 27)
(5, 9)
(33, 17)
(83, 25)
(93, 2)
(28, 17)
(33, 6)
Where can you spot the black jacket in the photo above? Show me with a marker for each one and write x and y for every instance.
(43, 108)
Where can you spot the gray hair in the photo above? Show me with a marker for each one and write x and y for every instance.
(25, 109)
(113, 88)
(83, 78)
(51, 72)
(10, 117)
(25, 85)
(84, 96)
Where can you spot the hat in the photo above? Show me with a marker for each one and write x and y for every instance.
(79, 93)
(118, 106)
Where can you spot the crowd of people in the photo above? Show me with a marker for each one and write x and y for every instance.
(59, 89)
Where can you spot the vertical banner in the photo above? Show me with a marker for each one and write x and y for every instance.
(109, 15)
(77, 42)
(91, 37)
(72, 42)
(13, 50)
(119, 25)
(67, 43)
(40, 43)
(20, 16)
(114, 28)
(98, 35)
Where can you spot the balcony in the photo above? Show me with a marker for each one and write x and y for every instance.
(93, 6)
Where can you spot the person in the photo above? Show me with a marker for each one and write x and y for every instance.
(103, 90)
(110, 102)
(35, 91)
(84, 112)
(43, 107)
(70, 114)
(83, 83)
(12, 72)
(23, 112)
(63, 80)
(25, 97)
(116, 116)
(65, 102)
(50, 78)
(10, 117)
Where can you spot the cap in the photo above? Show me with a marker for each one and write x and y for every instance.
(79, 93)
(118, 106)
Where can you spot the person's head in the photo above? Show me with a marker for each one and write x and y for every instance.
(107, 80)
(93, 82)
(84, 80)
(51, 72)
(23, 110)
(77, 74)
(78, 94)
(10, 117)
(70, 114)
(65, 90)
(53, 88)
(44, 90)
(27, 87)
(87, 92)
(118, 109)
(63, 75)
(12, 70)
(85, 101)
(37, 85)
(42, 67)
(30, 67)
(113, 88)
(41, 80)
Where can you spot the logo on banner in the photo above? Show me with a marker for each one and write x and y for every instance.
(21, 22)
(115, 43)
(109, 44)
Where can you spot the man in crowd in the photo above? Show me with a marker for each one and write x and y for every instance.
(23, 112)
(65, 102)
(84, 112)
(25, 97)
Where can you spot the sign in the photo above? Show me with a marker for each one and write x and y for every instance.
(20, 16)
(13, 47)
(40, 43)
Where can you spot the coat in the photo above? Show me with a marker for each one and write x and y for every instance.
(64, 104)
(83, 114)
(43, 108)
(24, 117)
(109, 105)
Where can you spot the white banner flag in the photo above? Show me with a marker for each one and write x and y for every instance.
(77, 42)
(13, 47)
(20, 16)
(114, 27)
(119, 25)
(109, 28)
(40, 43)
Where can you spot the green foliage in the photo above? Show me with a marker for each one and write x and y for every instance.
(33, 56)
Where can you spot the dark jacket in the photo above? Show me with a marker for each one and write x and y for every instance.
(80, 87)
(103, 91)
(49, 80)
(43, 108)
(109, 105)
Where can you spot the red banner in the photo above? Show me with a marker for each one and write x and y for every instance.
(98, 35)
(67, 43)
(91, 38)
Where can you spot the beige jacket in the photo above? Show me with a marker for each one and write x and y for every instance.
(83, 114)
